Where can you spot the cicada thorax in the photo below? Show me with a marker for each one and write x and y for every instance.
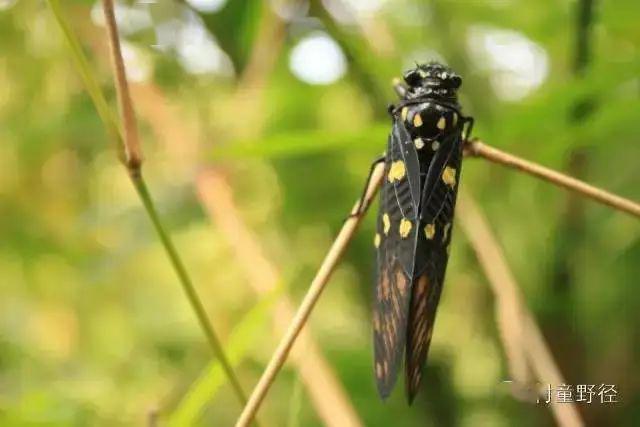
(429, 124)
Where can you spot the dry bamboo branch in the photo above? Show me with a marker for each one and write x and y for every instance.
(518, 323)
(476, 148)
(132, 153)
(304, 310)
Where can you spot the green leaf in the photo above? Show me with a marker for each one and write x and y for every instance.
(304, 143)
(235, 27)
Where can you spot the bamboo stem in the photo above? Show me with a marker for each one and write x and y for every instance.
(304, 310)
(476, 148)
(132, 153)
(189, 288)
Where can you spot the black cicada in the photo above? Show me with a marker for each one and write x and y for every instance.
(417, 201)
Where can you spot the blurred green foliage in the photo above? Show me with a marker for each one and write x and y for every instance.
(94, 329)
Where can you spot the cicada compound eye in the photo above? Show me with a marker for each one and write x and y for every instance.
(412, 77)
(454, 81)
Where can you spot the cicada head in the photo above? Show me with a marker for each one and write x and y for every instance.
(433, 80)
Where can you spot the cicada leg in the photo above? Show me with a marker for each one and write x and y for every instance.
(469, 122)
(359, 209)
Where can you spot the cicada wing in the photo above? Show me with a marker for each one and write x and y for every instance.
(424, 302)
(432, 252)
(396, 244)
(441, 185)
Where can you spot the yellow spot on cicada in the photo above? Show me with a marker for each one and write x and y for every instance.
(445, 231)
(435, 145)
(455, 119)
(404, 112)
(405, 228)
(379, 370)
(449, 176)
(417, 120)
(430, 231)
(386, 224)
(419, 143)
(376, 240)
(401, 280)
(396, 171)
(442, 123)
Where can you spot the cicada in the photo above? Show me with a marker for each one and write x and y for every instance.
(413, 232)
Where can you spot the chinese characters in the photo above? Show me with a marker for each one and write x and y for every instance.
(581, 393)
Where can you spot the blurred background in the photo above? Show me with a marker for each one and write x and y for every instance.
(259, 120)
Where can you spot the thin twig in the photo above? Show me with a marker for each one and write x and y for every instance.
(189, 289)
(132, 153)
(517, 320)
(304, 310)
(127, 141)
(476, 148)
